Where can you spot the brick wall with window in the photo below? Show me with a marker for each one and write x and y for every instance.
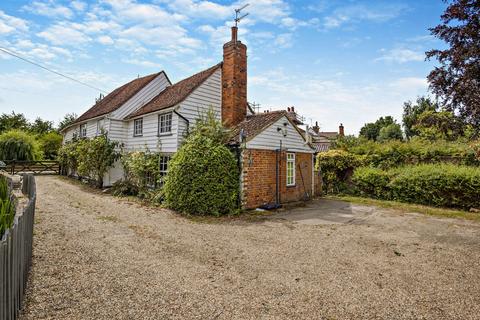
(259, 177)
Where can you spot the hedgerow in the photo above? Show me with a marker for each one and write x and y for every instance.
(441, 185)
(203, 178)
(19, 145)
(336, 166)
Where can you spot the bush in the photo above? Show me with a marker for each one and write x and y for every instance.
(203, 178)
(50, 144)
(141, 169)
(19, 145)
(336, 166)
(442, 185)
(7, 207)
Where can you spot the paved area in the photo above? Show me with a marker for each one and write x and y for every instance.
(100, 257)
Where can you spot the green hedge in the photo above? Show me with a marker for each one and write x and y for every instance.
(7, 207)
(203, 178)
(441, 185)
(416, 151)
(336, 166)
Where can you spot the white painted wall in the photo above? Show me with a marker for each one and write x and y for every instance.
(146, 94)
(270, 138)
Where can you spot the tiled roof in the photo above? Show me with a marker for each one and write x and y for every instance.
(176, 93)
(331, 134)
(321, 146)
(117, 97)
(255, 124)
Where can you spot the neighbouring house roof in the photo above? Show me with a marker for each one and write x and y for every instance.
(176, 93)
(330, 135)
(117, 98)
(321, 146)
(256, 123)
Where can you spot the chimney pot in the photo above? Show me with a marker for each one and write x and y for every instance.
(293, 109)
(234, 34)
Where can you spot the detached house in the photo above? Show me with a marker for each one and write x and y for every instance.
(151, 112)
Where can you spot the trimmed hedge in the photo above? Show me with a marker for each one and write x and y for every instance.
(203, 178)
(336, 166)
(441, 185)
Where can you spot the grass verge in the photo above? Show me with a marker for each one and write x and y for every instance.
(408, 207)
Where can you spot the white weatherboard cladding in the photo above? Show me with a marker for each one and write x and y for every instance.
(207, 95)
(117, 130)
(70, 133)
(143, 96)
(91, 129)
(269, 139)
(150, 139)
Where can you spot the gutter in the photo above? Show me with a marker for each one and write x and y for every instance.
(184, 119)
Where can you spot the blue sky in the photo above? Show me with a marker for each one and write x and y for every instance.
(335, 61)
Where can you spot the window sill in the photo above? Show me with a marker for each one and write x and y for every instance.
(164, 134)
(137, 135)
(291, 186)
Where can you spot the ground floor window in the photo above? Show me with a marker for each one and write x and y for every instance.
(163, 167)
(290, 169)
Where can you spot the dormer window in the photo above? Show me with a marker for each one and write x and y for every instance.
(138, 127)
(165, 123)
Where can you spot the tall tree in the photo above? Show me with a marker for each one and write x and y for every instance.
(68, 119)
(411, 112)
(40, 126)
(457, 80)
(13, 121)
(371, 130)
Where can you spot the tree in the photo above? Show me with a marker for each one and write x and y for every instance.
(456, 81)
(372, 130)
(443, 125)
(412, 110)
(40, 126)
(12, 121)
(50, 144)
(67, 120)
(391, 132)
(19, 145)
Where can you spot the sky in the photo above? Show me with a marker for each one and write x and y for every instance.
(337, 62)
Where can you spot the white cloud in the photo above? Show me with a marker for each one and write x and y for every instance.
(283, 40)
(410, 84)
(143, 63)
(64, 34)
(201, 9)
(10, 24)
(356, 13)
(49, 9)
(78, 5)
(105, 40)
(402, 55)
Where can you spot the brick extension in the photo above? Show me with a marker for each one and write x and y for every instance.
(259, 178)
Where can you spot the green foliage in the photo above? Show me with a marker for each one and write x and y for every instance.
(7, 207)
(347, 142)
(124, 187)
(390, 132)
(13, 121)
(203, 178)
(68, 119)
(335, 167)
(19, 145)
(415, 151)
(41, 127)
(142, 171)
(207, 125)
(411, 112)
(433, 125)
(90, 158)
(50, 144)
(441, 185)
(371, 131)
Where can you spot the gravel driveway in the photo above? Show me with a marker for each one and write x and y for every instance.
(100, 257)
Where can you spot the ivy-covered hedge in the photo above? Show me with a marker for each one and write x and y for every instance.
(442, 185)
(336, 166)
(203, 178)
(416, 151)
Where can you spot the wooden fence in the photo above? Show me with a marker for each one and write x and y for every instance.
(16, 253)
(35, 167)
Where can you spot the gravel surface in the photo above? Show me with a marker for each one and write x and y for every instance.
(100, 257)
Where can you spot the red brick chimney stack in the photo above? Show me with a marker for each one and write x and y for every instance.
(316, 128)
(341, 131)
(234, 81)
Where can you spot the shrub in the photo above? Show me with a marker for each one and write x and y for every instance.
(141, 169)
(124, 187)
(336, 166)
(203, 178)
(7, 207)
(50, 144)
(19, 145)
(442, 185)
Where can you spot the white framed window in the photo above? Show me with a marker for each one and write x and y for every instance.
(290, 169)
(83, 130)
(165, 123)
(138, 127)
(100, 126)
(163, 167)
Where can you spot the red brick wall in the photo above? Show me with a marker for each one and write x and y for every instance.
(259, 177)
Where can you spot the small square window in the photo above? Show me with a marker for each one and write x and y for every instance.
(165, 123)
(290, 169)
(138, 127)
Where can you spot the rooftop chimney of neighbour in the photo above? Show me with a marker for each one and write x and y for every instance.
(316, 128)
(341, 131)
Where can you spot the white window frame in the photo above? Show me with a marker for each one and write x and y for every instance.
(290, 174)
(100, 126)
(83, 130)
(165, 121)
(138, 127)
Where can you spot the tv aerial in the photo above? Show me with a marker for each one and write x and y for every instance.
(237, 14)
